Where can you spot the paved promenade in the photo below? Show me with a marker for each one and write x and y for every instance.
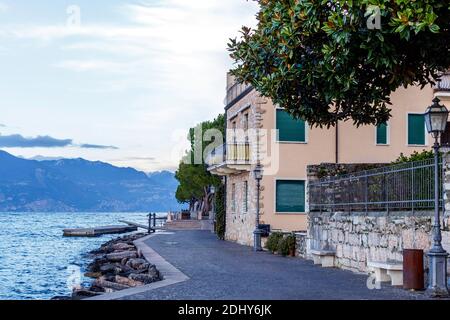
(223, 270)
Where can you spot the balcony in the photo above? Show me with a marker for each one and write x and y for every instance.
(236, 91)
(442, 88)
(233, 158)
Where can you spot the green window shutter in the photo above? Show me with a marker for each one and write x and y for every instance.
(416, 129)
(382, 134)
(290, 196)
(290, 129)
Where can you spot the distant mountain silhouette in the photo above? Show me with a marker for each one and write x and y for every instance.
(80, 185)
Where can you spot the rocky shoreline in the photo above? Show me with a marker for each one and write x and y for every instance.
(117, 265)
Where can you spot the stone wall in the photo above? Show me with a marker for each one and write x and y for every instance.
(376, 236)
(301, 244)
(240, 225)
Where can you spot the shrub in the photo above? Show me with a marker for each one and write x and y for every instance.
(273, 240)
(286, 245)
(283, 248)
(291, 242)
(220, 212)
(415, 156)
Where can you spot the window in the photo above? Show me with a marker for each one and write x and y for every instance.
(246, 197)
(246, 124)
(382, 134)
(233, 198)
(290, 129)
(416, 129)
(290, 196)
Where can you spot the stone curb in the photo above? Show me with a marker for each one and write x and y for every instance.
(171, 274)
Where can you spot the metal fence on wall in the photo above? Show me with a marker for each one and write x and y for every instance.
(407, 186)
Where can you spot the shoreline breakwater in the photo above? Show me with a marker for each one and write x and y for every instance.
(117, 265)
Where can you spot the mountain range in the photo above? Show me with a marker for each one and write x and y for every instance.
(79, 185)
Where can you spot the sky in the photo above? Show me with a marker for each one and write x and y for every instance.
(113, 81)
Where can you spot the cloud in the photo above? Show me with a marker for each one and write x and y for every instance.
(96, 146)
(19, 141)
(2, 125)
(162, 58)
(3, 7)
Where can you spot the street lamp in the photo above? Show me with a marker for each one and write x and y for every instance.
(436, 118)
(258, 173)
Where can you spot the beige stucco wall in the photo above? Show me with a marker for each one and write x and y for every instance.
(359, 144)
(356, 145)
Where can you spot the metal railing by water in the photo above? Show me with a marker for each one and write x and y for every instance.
(406, 186)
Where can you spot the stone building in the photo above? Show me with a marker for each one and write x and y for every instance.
(259, 130)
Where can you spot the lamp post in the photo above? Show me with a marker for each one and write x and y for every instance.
(436, 118)
(258, 173)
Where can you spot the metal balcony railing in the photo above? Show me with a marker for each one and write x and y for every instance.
(235, 91)
(444, 84)
(408, 186)
(232, 153)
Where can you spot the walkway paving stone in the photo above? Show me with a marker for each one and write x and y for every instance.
(221, 270)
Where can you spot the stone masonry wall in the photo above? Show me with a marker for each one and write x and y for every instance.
(361, 237)
(375, 236)
(240, 225)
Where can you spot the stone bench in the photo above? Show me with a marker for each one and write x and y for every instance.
(387, 271)
(324, 258)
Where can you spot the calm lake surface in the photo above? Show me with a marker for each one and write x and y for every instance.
(37, 262)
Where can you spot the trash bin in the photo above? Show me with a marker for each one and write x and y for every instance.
(413, 271)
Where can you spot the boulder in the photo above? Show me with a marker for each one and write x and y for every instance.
(96, 264)
(122, 246)
(128, 282)
(152, 271)
(93, 275)
(102, 283)
(119, 256)
(144, 278)
(107, 268)
(80, 294)
(138, 264)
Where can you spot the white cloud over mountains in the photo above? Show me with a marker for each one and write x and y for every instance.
(170, 55)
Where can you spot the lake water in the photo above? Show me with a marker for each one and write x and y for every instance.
(37, 262)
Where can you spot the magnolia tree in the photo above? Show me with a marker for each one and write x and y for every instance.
(327, 61)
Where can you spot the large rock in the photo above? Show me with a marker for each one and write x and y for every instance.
(96, 264)
(107, 268)
(80, 294)
(128, 282)
(138, 264)
(93, 275)
(144, 278)
(123, 247)
(119, 256)
(103, 283)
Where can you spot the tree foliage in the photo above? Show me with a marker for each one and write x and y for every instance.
(195, 180)
(220, 212)
(321, 62)
(415, 156)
